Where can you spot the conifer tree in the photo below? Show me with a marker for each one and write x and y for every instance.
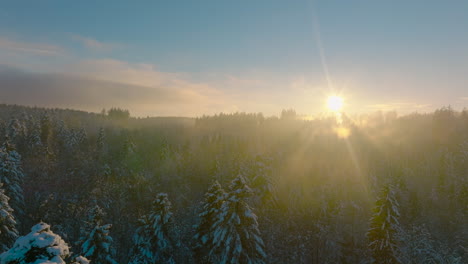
(61, 135)
(100, 144)
(142, 251)
(97, 244)
(11, 174)
(40, 246)
(8, 232)
(34, 136)
(15, 129)
(160, 220)
(214, 199)
(46, 128)
(236, 237)
(261, 182)
(152, 241)
(384, 227)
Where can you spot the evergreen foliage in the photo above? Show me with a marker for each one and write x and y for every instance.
(8, 232)
(11, 174)
(152, 241)
(384, 227)
(40, 246)
(142, 251)
(97, 245)
(160, 220)
(61, 161)
(236, 237)
(211, 208)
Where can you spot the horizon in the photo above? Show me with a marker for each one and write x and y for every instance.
(354, 117)
(308, 131)
(190, 59)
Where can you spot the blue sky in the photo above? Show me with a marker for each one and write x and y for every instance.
(203, 57)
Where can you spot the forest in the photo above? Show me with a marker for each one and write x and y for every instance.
(106, 188)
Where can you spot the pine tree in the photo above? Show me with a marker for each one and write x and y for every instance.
(101, 144)
(261, 182)
(46, 128)
(40, 246)
(214, 199)
(160, 220)
(34, 136)
(236, 237)
(11, 174)
(15, 129)
(95, 217)
(152, 242)
(142, 251)
(384, 227)
(61, 136)
(97, 244)
(8, 232)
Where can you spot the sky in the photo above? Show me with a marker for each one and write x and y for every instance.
(189, 58)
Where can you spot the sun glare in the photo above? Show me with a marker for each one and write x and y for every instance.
(335, 103)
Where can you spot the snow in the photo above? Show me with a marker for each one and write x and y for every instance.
(46, 246)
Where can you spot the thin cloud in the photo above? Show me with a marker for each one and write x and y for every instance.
(93, 92)
(94, 44)
(399, 106)
(93, 84)
(235, 81)
(32, 48)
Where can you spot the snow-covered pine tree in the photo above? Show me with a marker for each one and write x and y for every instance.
(11, 174)
(384, 227)
(39, 246)
(8, 232)
(214, 199)
(152, 242)
(15, 129)
(236, 237)
(160, 220)
(61, 135)
(97, 244)
(101, 144)
(74, 140)
(46, 128)
(95, 217)
(328, 233)
(34, 136)
(419, 246)
(142, 251)
(261, 181)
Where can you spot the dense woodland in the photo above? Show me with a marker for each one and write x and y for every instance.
(232, 188)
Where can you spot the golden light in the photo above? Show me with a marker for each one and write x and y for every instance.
(342, 132)
(335, 103)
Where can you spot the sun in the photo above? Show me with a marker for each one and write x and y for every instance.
(335, 103)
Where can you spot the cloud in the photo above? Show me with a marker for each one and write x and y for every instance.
(32, 48)
(235, 81)
(91, 84)
(399, 106)
(163, 96)
(94, 44)
(146, 75)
